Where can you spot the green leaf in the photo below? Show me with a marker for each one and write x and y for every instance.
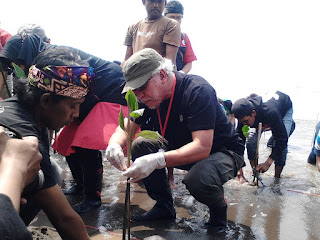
(148, 134)
(132, 100)
(121, 121)
(137, 113)
(245, 131)
(20, 73)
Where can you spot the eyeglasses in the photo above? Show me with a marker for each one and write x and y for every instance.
(144, 86)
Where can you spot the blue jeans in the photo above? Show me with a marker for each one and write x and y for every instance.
(251, 143)
(312, 156)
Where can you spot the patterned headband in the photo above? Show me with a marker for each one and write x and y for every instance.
(67, 81)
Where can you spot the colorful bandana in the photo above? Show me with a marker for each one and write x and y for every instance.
(67, 81)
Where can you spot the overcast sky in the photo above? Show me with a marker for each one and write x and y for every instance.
(241, 46)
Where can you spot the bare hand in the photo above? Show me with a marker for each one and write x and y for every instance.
(23, 155)
(263, 167)
(33, 157)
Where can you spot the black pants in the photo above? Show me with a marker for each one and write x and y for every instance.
(204, 179)
(87, 170)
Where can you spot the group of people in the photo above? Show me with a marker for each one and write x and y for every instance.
(70, 89)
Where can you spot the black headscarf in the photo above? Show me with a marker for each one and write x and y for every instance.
(22, 51)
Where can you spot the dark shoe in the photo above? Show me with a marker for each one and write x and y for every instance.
(86, 205)
(156, 213)
(74, 190)
(218, 218)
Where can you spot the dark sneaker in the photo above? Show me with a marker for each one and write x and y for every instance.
(86, 205)
(156, 213)
(218, 218)
(74, 190)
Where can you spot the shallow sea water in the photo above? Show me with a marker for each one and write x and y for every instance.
(285, 208)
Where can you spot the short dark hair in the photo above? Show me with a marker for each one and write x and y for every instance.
(173, 7)
(241, 108)
(59, 56)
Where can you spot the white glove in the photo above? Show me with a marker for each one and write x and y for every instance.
(143, 166)
(116, 157)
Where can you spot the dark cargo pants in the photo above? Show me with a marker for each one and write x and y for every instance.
(204, 179)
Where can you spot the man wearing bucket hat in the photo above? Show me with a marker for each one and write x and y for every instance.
(196, 136)
(49, 98)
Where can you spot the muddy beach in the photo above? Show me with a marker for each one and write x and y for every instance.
(283, 208)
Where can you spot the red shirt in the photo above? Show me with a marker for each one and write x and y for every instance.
(4, 37)
(189, 55)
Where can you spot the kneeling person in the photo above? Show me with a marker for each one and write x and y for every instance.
(196, 137)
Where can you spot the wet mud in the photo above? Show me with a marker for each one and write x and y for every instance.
(285, 208)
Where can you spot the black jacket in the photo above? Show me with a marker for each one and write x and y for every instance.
(270, 114)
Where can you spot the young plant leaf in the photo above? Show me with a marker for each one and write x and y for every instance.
(121, 120)
(245, 131)
(148, 134)
(132, 100)
(20, 73)
(137, 113)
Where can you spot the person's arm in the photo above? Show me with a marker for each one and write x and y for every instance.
(67, 222)
(263, 167)
(2, 83)
(194, 151)
(129, 53)
(186, 68)
(280, 134)
(20, 162)
(232, 119)
(171, 53)
(11, 225)
(119, 136)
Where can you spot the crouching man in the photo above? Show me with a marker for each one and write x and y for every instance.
(196, 136)
(274, 114)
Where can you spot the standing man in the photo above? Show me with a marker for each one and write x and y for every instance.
(275, 114)
(196, 136)
(155, 31)
(185, 56)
